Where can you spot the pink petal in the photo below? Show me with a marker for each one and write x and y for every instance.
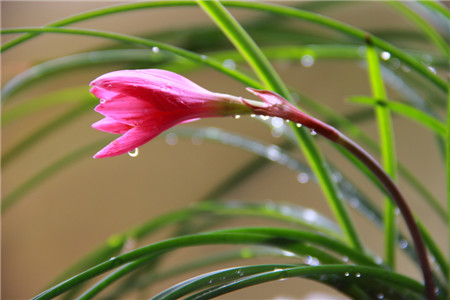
(268, 97)
(134, 138)
(111, 125)
(164, 89)
(101, 93)
(126, 109)
(127, 142)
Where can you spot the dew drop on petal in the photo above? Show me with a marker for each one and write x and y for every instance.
(155, 49)
(358, 275)
(299, 125)
(380, 296)
(252, 115)
(134, 153)
(102, 100)
(307, 60)
(236, 116)
(172, 139)
(303, 178)
(346, 274)
(313, 132)
(385, 55)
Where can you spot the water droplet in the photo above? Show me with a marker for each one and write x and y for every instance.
(134, 153)
(362, 51)
(112, 258)
(276, 132)
(277, 270)
(252, 115)
(204, 57)
(433, 70)
(288, 253)
(264, 118)
(211, 281)
(345, 258)
(312, 261)
(313, 132)
(436, 290)
(403, 244)
(310, 215)
(277, 122)
(155, 49)
(102, 100)
(236, 116)
(287, 121)
(385, 55)
(380, 296)
(358, 275)
(303, 178)
(172, 139)
(346, 274)
(307, 60)
(395, 63)
(378, 260)
(273, 153)
(229, 63)
(299, 125)
(354, 202)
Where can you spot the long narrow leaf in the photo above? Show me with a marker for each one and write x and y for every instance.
(405, 110)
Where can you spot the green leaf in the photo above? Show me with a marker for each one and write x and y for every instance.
(405, 110)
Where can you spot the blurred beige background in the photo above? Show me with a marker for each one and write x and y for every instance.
(72, 213)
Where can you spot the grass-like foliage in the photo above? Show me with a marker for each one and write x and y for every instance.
(333, 244)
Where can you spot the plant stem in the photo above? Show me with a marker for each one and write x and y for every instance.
(262, 67)
(336, 136)
(401, 203)
(387, 146)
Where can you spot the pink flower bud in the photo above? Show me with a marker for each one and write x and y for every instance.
(140, 104)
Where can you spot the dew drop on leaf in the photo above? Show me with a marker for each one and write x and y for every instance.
(307, 60)
(385, 55)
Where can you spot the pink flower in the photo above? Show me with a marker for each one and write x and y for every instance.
(140, 104)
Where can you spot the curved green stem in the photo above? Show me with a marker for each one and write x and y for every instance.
(277, 237)
(422, 24)
(144, 42)
(385, 132)
(276, 9)
(247, 47)
(282, 272)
